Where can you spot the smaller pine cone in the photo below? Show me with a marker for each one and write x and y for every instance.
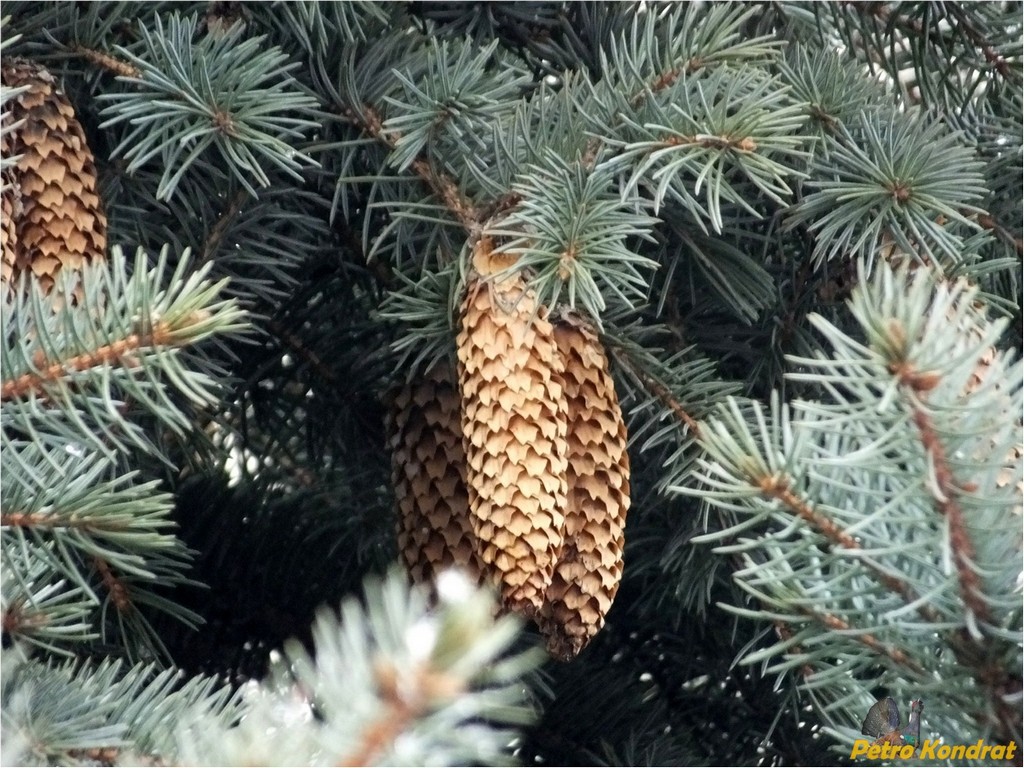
(589, 569)
(513, 421)
(53, 218)
(428, 474)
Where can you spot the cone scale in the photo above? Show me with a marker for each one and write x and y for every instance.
(514, 428)
(589, 568)
(53, 219)
(428, 474)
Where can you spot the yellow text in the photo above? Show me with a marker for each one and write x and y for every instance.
(933, 749)
(864, 748)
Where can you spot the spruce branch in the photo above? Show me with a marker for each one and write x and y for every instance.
(1013, 238)
(98, 543)
(704, 133)
(834, 90)
(78, 713)
(796, 657)
(401, 709)
(667, 397)
(116, 354)
(785, 632)
(575, 234)
(391, 682)
(438, 181)
(862, 541)
(445, 114)
(657, 54)
(897, 178)
(925, 337)
(761, 475)
(415, 304)
(660, 48)
(662, 392)
(39, 608)
(945, 491)
(719, 263)
(260, 244)
(885, 14)
(992, 56)
(69, 375)
(221, 94)
(897, 655)
(317, 27)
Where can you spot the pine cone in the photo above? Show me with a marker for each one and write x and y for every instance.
(428, 473)
(513, 426)
(589, 569)
(52, 212)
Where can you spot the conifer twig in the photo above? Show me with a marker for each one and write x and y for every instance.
(989, 222)
(118, 352)
(992, 56)
(99, 755)
(402, 707)
(107, 61)
(944, 494)
(216, 234)
(897, 655)
(296, 345)
(660, 391)
(945, 489)
(116, 588)
(440, 182)
(785, 632)
(779, 488)
(49, 520)
(16, 620)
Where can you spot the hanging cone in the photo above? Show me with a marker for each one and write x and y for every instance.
(513, 426)
(53, 219)
(428, 474)
(589, 569)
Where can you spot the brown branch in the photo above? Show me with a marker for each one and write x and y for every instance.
(402, 706)
(16, 620)
(118, 352)
(216, 234)
(116, 588)
(667, 79)
(989, 222)
(107, 62)
(836, 624)
(49, 520)
(969, 651)
(779, 488)
(947, 488)
(707, 141)
(880, 12)
(664, 80)
(296, 345)
(895, 654)
(785, 632)
(945, 499)
(440, 183)
(993, 57)
(662, 392)
(380, 734)
(97, 755)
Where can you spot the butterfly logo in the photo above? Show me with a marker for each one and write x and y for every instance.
(884, 724)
